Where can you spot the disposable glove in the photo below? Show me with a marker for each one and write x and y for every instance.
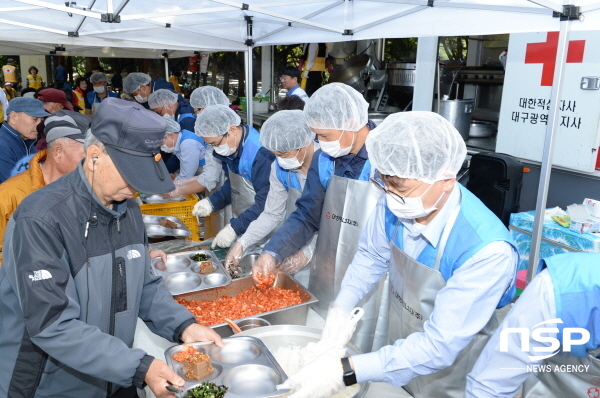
(295, 262)
(225, 237)
(305, 74)
(232, 261)
(202, 208)
(338, 330)
(264, 271)
(321, 378)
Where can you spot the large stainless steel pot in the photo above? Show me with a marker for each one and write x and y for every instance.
(350, 72)
(401, 74)
(458, 112)
(289, 335)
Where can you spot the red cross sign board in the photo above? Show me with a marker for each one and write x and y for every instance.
(525, 107)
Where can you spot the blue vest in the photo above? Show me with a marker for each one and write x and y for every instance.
(475, 227)
(249, 150)
(326, 169)
(188, 135)
(576, 279)
(288, 178)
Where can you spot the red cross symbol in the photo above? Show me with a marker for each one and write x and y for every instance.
(545, 54)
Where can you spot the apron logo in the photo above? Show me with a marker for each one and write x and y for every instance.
(235, 192)
(536, 334)
(403, 304)
(593, 392)
(348, 221)
(328, 215)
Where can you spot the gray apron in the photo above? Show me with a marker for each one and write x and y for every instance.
(567, 384)
(414, 287)
(346, 209)
(219, 219)
(242, 193)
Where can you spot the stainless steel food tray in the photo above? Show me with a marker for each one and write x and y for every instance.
(275, 337)
(158, 198)
(292, 315)
(155, 230)
(245, 365)
(181, 273)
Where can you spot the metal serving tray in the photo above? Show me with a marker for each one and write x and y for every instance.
(245, 365)
(155, 230)
(292, 315)
(158, 198)
(181, 273)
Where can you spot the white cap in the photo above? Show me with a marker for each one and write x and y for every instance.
(286, 131)
(337, 106)
(162, 97)
(215, 121)
(417, 145)
(172, 125)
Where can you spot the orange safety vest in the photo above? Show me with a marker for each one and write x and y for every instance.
(9, 73)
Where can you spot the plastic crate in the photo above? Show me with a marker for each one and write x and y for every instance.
(181, 210)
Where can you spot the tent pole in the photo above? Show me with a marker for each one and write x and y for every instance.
(166, 67)
(540, 207)
(248, 64)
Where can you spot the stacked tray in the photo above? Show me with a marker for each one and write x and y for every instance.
(158, 198)
(182, 273)
(245, 365)
(154, 229)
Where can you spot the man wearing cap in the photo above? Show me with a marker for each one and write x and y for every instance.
(19, 134)
(451, 263)
(99, 82)
(54, 100)
(65, 133)
(76, 272)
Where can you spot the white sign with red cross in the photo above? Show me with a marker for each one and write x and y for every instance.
(526, 94)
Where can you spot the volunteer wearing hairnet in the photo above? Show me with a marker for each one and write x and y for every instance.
(100, 93)
(169, 104)
(451, 263)
(287, 135)
(567, 289)
(187, 146)
(205, 96)
(140, 86)
(336, 202)
(247, 165)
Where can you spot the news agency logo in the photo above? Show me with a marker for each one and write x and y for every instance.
(570, 337)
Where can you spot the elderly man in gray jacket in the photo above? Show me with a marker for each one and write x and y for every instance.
(76, 273)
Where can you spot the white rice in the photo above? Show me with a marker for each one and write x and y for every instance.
(292, 358)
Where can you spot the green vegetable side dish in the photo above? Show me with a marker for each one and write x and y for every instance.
(207, 390)
(200, 257)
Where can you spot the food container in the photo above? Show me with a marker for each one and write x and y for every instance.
(154, 229)
(252, 323)
(245, 365)
(246, 264)
(274, 337)
(292, 315)
(181, 210)
(181, 273)
(480, 129)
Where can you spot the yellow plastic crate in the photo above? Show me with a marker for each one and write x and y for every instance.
(181, 210)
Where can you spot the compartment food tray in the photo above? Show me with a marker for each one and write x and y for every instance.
(158, 198)
(292, 315)
(182, 274)
(245, 365)
(181, 210)
(155, 230)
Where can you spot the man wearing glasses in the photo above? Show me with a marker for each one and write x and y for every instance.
(451, 263)
(290, 80)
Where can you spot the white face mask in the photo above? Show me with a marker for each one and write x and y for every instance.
(172, 117)
(412, 208)
(225, 149)
(333, 148)
(290, 163)
(140, 99)
(167, 149)
(99, 89)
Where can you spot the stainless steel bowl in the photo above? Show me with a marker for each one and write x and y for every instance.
(275, 337)
(215, 279)
(252, 380)
(235, 351)
(173, 264)
(482, 129)
(182, 282)
(252, 323)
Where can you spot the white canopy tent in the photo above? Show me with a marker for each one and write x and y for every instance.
(227, 25)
